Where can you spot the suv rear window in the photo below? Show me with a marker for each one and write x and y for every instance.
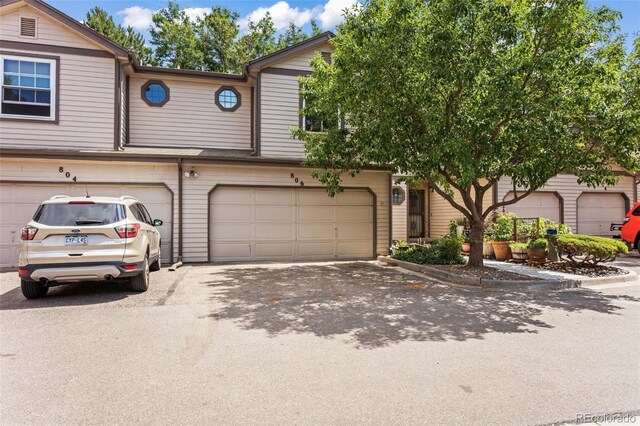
(636, 212)
(79, 214)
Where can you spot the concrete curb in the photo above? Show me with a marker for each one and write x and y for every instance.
(543, 284)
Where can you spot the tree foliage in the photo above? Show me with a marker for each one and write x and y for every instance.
(459, 93)
(99, 20)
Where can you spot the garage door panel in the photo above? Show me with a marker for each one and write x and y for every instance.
(274, 250)
(231, 213)
(354, 197)
(274, 214)
(293, 223)
(274, 196)
(233, 195)
(316, 249)
(274, 232)
(315, 197)
(354, 213)
(20, 200)
(232, 251)
(315, 213)
(316, 231)
(233, 232)
(354, 230)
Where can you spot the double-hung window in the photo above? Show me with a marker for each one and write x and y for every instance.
(313, 123)
(28, 87)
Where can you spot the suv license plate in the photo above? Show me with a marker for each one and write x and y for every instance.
(76, 240)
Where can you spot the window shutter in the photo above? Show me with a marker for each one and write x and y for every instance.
(27, 27)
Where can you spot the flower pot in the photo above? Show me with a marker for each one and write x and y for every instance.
(537, 254)
(501, 249)
(466, 247)
(519, 254)
(487, 251)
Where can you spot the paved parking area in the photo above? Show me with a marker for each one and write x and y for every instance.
(341, 343)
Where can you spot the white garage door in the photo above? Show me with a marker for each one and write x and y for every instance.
(537, 204)
(597, 211)
(290, 223)
(18, 203)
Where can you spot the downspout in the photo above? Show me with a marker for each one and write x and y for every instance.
(179, 262)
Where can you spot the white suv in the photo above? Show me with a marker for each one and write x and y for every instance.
(73, 239)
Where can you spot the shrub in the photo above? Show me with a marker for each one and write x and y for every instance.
(585, 250)
(443, 251)
(518, 246)
(502, 227)
(540, 243)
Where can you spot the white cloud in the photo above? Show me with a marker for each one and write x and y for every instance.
(333, 10)
(137, 17)
(196, 12)
(282, 14)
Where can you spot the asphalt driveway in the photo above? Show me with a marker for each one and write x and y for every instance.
(339, 343)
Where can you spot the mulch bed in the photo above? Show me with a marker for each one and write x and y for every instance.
(598, 271)
(485, 272)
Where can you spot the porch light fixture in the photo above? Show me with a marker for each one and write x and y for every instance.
(191, 174)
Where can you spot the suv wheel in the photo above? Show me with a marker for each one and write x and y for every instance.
(638, 242)
(33, 289)
(155, 266)
(140, 282)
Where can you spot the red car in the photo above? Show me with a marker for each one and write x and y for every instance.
(631, 228)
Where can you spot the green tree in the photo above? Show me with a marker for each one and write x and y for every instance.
(217, 32)
(258, 41)
(292, 35)
(459, 93)
(99, 20)
(175, 39)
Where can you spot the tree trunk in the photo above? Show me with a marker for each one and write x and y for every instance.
(477, 237)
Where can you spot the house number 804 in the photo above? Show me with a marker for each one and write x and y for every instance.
(67, 174)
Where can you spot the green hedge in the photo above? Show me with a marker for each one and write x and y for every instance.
(443, 251)
(585, 250)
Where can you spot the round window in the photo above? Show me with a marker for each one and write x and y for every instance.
(227, 99)
(397, 195)
(155, 93)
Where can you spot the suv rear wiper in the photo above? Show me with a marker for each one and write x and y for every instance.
(89, 222)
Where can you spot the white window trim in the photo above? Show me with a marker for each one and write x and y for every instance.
(20, 27)
(53, 87)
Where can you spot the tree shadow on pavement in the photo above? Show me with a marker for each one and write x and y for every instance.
(377, 306)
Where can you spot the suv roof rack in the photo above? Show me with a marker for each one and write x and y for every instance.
(128, 197)
(57, 197)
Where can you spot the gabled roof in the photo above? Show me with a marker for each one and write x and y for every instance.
(295, 49)
(71, 23)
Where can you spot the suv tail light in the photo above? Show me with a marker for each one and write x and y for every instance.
(80, 202)
(28, 232)
(626, 219)
(128, 231)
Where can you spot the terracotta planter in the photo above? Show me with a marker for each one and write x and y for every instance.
(466, 247)
(537, 254)
(519, 254)
(487, 251)
(501, 249)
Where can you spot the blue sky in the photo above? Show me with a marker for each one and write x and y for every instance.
(327, 13)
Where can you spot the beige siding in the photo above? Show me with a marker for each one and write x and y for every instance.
(399, 214)
(280, 106)
(279, 110)
(49, 31)
(301, 61)
(567, 186)
(441, 211)
(196, 190)
(190, 118)
(86, 109)
(96, 172)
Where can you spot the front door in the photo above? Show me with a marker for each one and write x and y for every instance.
(416, 213)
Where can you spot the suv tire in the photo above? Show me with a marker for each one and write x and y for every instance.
(33, 289)
(140, 282)
(155, 266)
(638, 242)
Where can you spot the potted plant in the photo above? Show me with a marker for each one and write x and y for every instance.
(466, 240)
(487, 248)
(537, 250)
(502, 235)
(519, 251)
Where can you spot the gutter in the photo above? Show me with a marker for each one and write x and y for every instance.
(179, 262)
